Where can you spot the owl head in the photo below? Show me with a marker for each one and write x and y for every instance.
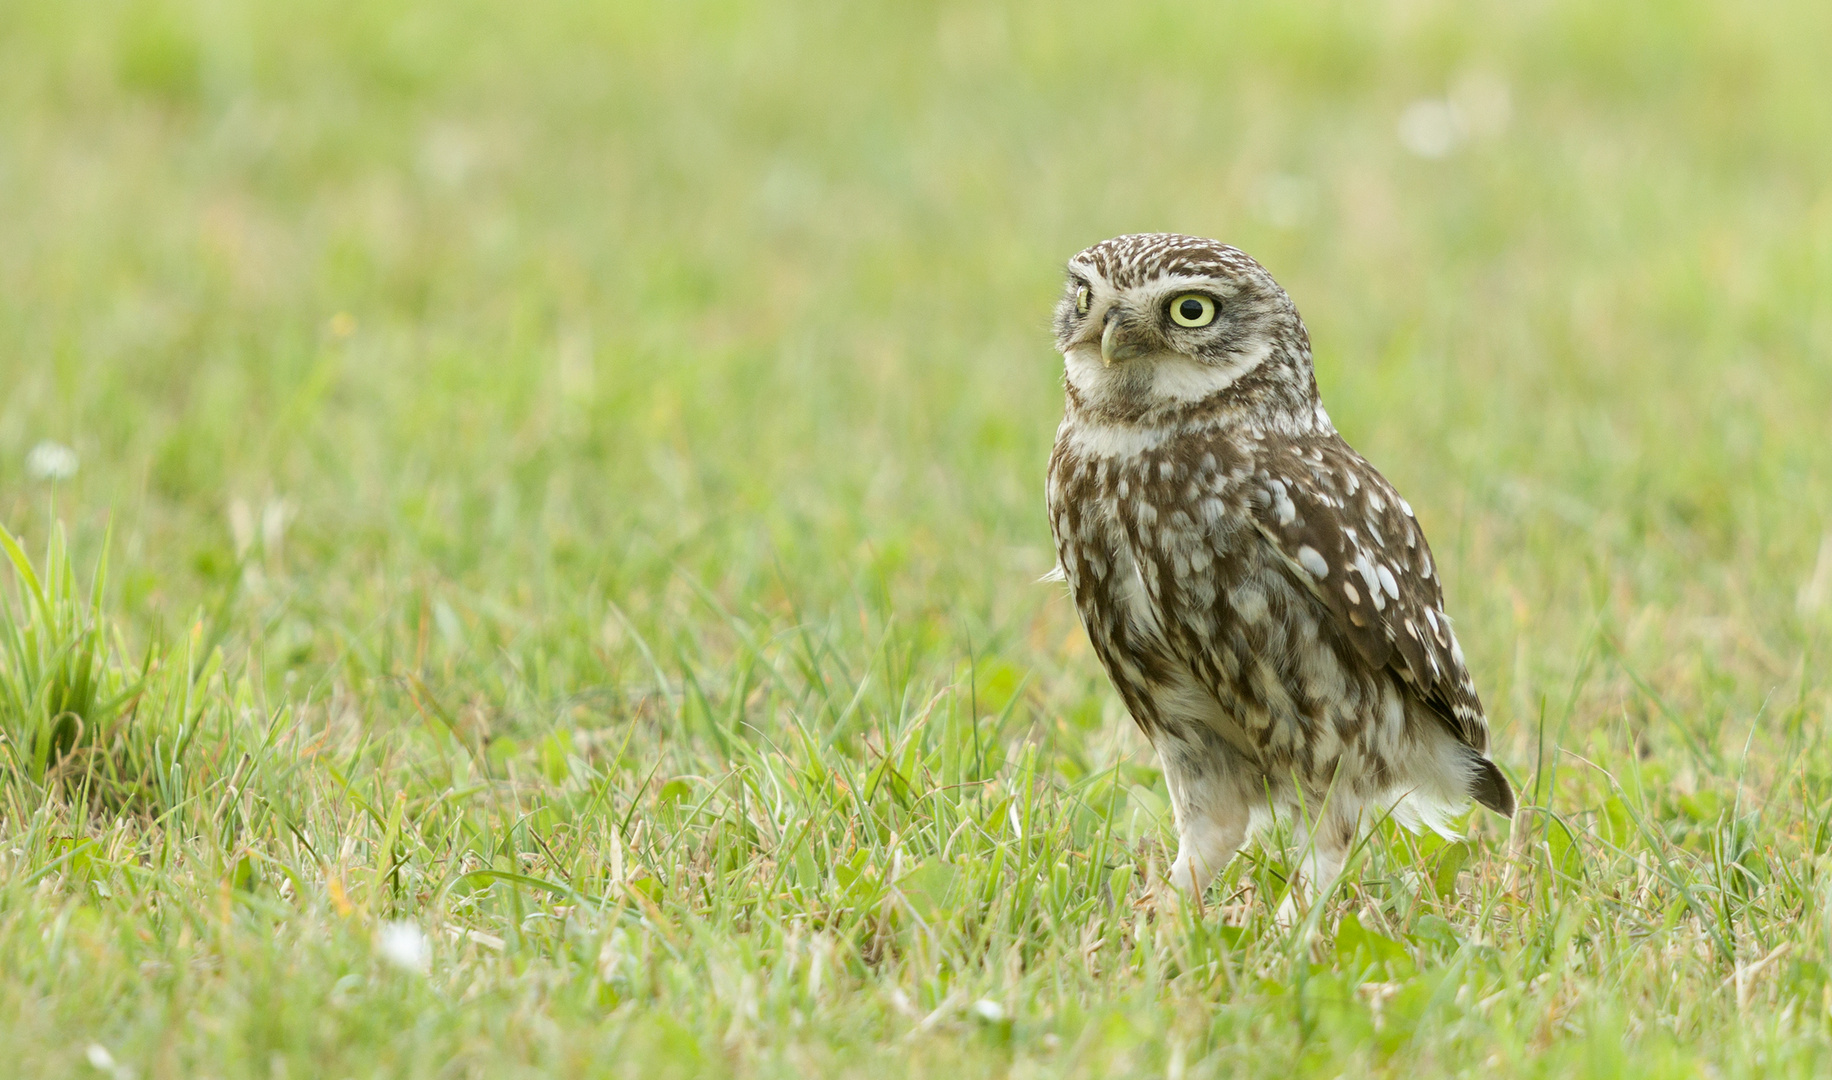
(1158, 322)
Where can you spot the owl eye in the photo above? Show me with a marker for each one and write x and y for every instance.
(1192, 309)
(1083, 298)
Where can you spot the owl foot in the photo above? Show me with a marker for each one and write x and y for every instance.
(1313, 886)
(1289, 914)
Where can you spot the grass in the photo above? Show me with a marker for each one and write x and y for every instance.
(565, 481)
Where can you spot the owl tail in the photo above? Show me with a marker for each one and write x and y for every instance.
(1492, 789)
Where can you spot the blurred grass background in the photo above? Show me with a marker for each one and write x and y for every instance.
(556, 400)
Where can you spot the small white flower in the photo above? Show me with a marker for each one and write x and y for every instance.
(51, 461)
(103, 1061)
(405, 946)
(1478, 106)
(1430, 128)
(989, 1010)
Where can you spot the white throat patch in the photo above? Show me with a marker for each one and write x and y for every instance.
(1156, 380)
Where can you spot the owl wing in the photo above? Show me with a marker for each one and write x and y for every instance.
(1348, 537)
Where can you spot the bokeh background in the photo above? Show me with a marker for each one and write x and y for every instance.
(567, 362)
(516, 299)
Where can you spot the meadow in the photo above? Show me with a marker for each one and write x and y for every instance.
(528, 523)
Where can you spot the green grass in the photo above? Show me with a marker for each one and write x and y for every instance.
(568, 476)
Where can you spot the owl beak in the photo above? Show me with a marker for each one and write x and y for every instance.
(1122, 339)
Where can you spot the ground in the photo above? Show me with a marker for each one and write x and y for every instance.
(570, 486)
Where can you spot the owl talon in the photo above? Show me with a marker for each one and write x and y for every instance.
(1160, 901)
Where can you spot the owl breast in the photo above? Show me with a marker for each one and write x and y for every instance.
(1202, 628)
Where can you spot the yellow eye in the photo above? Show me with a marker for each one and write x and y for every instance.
(1192, 309)
(1083, 298)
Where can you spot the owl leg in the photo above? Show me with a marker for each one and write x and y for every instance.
(1204, 846)
(1323, 847)
(1213, 816)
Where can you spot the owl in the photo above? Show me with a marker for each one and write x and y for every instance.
(1263, 600)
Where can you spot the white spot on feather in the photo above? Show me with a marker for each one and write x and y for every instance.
(1365, 567)
(1312, 560)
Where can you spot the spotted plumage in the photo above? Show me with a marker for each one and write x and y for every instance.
(1263, 600)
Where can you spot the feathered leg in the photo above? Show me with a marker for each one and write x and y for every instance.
(1323, 848)
(1213, 814)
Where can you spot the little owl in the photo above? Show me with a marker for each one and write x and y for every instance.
(1262, 598)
